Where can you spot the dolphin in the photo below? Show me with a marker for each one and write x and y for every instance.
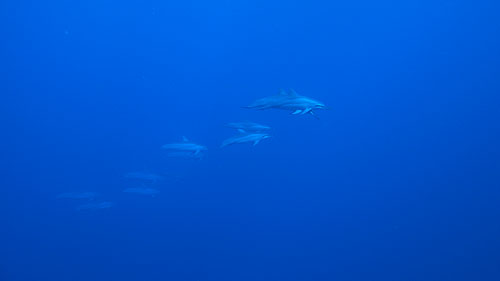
(248, 127)
(78, 195)
(289, 101)
(185, 147)
(254, 138)
(301, 104)
(142, 190)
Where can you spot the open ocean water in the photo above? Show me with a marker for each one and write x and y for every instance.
(384, 166)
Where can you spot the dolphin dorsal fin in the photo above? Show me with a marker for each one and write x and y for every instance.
(184, 139)
(283, 92)
(293, 93)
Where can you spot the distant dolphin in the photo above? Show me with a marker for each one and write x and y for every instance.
(248, 127)
(142, 190)
(254, 138)
(187, 147)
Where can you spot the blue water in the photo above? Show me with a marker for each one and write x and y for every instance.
(398, 180)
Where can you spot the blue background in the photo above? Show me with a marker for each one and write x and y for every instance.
(399, 180)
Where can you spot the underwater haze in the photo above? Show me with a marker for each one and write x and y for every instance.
(250, 140)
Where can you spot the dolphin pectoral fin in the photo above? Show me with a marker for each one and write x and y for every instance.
(297, 112)
(256, 142)
(307, 110)
(241, 131)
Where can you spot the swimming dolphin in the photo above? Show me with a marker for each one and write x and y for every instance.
(289, 101)
(142, 190)
(248, 127)
(254, 138)
(185, 147)
(301, 104)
